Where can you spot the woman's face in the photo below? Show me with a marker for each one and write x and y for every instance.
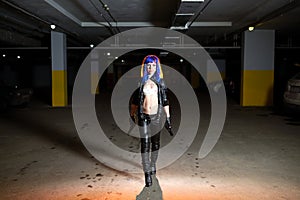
(151, 68)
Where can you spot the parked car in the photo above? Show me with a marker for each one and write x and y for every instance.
(12, 96)
(292, 94)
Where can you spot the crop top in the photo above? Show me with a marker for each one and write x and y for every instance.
(149, 91)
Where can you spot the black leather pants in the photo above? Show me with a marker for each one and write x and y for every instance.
(149, 126)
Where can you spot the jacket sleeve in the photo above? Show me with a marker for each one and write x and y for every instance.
(135, 97)
(164, 90)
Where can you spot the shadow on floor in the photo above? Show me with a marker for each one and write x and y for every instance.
(30, 123)
(153, 192)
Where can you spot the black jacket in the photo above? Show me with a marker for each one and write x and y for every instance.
(138, 98)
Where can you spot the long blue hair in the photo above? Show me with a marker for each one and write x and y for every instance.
(157, 75)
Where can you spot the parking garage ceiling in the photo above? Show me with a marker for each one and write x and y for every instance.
(27, 23)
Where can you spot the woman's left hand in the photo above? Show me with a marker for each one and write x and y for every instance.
(168, 126)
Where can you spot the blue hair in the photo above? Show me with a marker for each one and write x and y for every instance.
(156, 75)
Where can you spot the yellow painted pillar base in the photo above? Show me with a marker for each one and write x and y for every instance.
(215, 76)
(94, 83)
(59, 88)
(257, 88)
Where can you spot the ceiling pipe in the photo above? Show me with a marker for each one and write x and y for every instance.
(110, 27)
(185, 12)
(198, 14)
(109, 13)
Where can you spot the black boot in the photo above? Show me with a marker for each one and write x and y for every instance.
(148, 179)
(153, 170)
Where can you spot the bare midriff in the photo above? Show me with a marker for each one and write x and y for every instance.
(150, 104)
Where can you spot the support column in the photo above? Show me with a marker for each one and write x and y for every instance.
(257, 78)
(95, 72)
(212, 73)
(221, 65)
(59, 69)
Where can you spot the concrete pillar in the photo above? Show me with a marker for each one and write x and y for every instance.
(202, 59)
(95, 72)
(257, 78)
(221, 65)
(213, 73)
(59, 69)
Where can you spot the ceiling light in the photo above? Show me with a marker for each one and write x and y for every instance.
(108, 54)
(178, 27)
(18, 57)
(91, 45)
(52, 26)
(192, 1)
(175, 37)
(3, 55)
(116, 57)
(106, 7)
(163, 53)
(251, 28)
(122, 61)
(181, 60)
(184, 14)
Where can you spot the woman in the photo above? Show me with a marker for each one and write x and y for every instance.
(151, 104)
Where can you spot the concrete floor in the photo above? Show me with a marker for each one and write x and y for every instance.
(256, 157)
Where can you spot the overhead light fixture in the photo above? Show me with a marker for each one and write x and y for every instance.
(52, 26)
(251, 28)
(174, 37)
(116, 57)
(178, 27)
(106, 7)
(181, 60)
(208, 24)
(163, 53)
(91, 45)
(3, 55)
(108, 54)
(194, 1)
(18, 57)
(185, 14)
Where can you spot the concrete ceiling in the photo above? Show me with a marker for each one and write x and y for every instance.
(26, 23)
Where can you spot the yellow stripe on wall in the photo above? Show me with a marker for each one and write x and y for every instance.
(94, 83)
(59, 88)
(223, 75)
(215, 76)
(257, 88)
